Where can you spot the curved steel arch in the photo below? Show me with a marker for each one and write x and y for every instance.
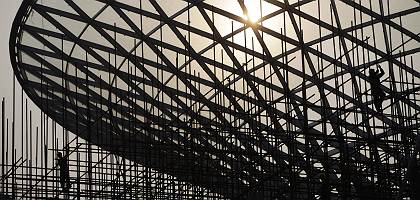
(235, 122)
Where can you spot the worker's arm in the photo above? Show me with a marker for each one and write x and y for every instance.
(381, 73)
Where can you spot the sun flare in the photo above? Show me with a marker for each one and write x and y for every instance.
(253, 8)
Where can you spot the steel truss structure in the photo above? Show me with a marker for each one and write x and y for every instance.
(198, 93)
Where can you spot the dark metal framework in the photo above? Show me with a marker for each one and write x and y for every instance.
(277, 108)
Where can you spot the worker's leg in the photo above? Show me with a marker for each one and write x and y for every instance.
(62, 182)
(378, 99)
(381, 99)
(378, 104)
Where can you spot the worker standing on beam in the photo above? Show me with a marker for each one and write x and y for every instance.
(378, 94)
(64, 171)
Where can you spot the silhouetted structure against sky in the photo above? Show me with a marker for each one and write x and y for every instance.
(192, 99)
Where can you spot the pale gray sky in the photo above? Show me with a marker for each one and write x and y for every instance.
(8, 10)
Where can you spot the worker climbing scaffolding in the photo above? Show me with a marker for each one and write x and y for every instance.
(64, 171)
(377, 93)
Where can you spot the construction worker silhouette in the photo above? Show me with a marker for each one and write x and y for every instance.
(378, 94)
(64, 171)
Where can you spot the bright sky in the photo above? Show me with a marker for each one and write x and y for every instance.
(8, 10)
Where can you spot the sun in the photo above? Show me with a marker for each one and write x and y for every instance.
(254, 13)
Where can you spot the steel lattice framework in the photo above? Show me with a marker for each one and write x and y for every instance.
(278, 107)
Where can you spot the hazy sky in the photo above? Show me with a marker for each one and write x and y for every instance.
(8, 10)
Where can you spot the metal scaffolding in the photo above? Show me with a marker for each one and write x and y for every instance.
(194, 99)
